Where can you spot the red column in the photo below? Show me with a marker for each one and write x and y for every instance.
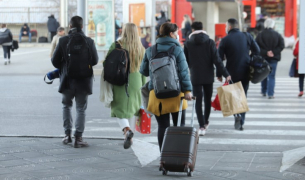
(251, 3)
(291, 18)
(173, 11)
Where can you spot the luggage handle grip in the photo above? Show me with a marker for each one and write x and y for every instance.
(194, 98)
(180, 111)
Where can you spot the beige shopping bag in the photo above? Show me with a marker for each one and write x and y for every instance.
(232, 99)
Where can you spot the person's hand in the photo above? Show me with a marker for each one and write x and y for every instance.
(219, 79)
(188, 96)
(270, 54)
(24, 32)
(228, 79)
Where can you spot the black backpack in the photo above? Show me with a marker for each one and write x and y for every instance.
(116, 66)
(79, 60)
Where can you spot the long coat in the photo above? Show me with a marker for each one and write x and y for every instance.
(122, 106)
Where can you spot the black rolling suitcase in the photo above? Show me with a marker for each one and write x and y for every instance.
(179, 149)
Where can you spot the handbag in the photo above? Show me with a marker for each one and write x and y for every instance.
(143, 123)
(232, 99)
(293, 72)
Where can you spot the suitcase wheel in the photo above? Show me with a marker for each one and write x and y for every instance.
(164, 172)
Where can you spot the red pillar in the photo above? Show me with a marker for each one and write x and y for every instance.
(251, 3)
(291, 18)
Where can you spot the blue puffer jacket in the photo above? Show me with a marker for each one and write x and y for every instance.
(164, 44)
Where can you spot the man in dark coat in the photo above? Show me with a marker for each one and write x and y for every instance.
(271, 44)
(235, 48)
(25, 31)
(201, 54)
(71, 87)
(161, 20)
(52, 26)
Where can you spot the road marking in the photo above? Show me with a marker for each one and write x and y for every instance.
(259, 116)
(145, 152)
(266, 110)
(254, 123)
(224, 141)
(257, 132)
(270, 104)
(291, 157)
(31, 52)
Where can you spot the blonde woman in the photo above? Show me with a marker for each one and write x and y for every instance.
(122, 107)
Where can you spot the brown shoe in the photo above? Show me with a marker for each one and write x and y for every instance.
(128, 138)
(79, 142)
(67, 139)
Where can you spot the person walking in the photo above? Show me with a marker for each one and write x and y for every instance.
(52, 26)
(161, 20)
(69, 58)
(301, 76)
(6, 41)
(60, 33)
(25, 31)
(271, 44)
(235, 49)
(201, 54)
(123, 107)
(186, 28)
(162, 108)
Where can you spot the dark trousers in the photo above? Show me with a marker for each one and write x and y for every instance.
(52, 35)
(301, 82)
(164, 122)
(7, 52)
(245, 85)
(205, 91)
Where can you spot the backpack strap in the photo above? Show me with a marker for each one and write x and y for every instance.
(172, 49)
(118, 45)
(154, 50)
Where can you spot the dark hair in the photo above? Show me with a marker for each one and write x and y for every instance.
(233, 23)
(76, 22)
(3, 25)
(197, 25)
(60, 29)
(167, 28)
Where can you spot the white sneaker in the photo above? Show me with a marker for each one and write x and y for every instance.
(206, 126)
(202, 132)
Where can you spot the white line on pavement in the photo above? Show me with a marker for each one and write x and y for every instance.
(258, 132)
(223, 141)
(260, 116)
(31, 52)
(254, 123)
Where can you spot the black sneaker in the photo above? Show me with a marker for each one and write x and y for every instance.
(241, 128)
(263, 94)
(237, 123)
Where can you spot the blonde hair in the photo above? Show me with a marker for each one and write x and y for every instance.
(269, 23)
(131, 42)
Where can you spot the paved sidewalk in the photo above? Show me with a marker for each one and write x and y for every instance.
(48, 158)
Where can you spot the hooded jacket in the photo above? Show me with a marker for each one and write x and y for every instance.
(6, 37)
(59, 60)
(52, 24)
(27, 29)
(201, 54)
(270, 40)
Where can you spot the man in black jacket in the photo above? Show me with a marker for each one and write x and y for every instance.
(235, 47)
(78, 88)
(25, 31)
(201, 54)
(52, 26)
(271, 44)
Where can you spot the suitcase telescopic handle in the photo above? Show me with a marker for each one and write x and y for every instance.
(180, 111)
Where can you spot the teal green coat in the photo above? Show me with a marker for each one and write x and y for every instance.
(122, 106)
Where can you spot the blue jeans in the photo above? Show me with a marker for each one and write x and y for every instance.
(268, 84)
(245, 84)
(30, 36)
